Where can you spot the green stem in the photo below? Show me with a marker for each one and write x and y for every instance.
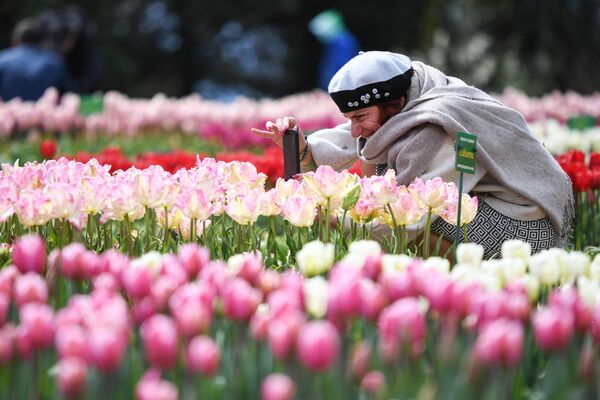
(426, 235)
(327, 217)
(166, 231)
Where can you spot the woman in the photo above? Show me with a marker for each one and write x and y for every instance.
(404, 115)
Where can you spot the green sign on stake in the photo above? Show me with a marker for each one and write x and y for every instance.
(466, 147)
(581, 122)
(91, 104)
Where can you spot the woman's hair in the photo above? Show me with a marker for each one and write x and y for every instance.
(392, 107)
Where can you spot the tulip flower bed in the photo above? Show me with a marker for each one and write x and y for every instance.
(227, 123)
(224, 206)
(373, 325)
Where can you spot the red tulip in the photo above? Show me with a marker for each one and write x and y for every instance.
(29, 254)
(48, 148)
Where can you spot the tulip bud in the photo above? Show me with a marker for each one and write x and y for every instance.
(152, 387)
(193, 258)
(202, 356)
(29, 254)
(358, 364)
(553, 327)
(315, 258)
(318, 345)
(71, 376)
(277, 387)
(30, 288)
(373, 382)
(159, 335)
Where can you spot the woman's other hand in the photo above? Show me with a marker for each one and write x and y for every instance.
(275, 131)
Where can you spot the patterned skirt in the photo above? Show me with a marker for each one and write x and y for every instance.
(491, 228)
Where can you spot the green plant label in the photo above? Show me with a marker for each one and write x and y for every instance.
(466, 147)
(581, 122)
(91, 105)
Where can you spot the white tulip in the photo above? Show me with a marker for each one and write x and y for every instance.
(438, 263)
(315, 296)
(516, 249)
(595, 269)
(546, 267)
(365, 247)
(588, 291)
(577, 263)
(469, 253)
(395, 262)
(315, 258)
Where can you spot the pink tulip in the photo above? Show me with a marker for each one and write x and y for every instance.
(71, 376)
(400, 284)
(107, 282)
(106, 348)
(299, 210)
(438, 289)
(282, 301)
(358, 363)
(193, 258)
(71, 341)
(4, 305)
(38, 320)
(373, 382)
(30, 288)
(500, 342)
(382, 189)
(281, 339)
(137, 281)
(401, 324)
(7, 343)
(517, 306)
(143, 309)
(269, 281)
(371, 268)
(240, 299)
(406, 209)
(569, 300)
(250, 267)
(553, 327)
(373, 299)
(29, 254)
(8, 275)
(77, 263)
(343, 293)
(113, 262)
(161, 290)
(277, 386)
(159, 335)
(318, 345)
(152, 387)
(202, 355)
(432, 194)
(192, 318)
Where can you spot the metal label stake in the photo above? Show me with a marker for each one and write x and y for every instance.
(291, 153)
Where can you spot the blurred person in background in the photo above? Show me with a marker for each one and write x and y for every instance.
(338, 44)
(27, 69)
(71, 33)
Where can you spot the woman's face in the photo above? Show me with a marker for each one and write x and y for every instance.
(366, 121)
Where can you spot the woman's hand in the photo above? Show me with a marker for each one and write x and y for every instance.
(275, 131)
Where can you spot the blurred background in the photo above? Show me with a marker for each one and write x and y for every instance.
(267, 48)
